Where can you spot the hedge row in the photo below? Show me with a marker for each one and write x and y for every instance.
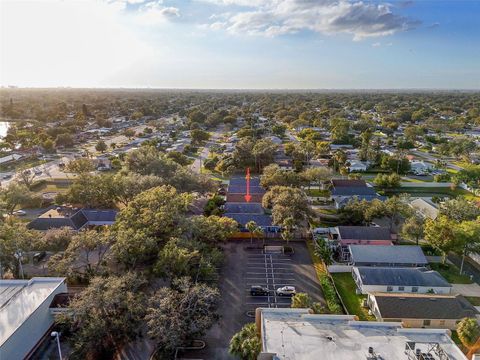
(333, 303)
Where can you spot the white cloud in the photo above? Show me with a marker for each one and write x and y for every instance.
(277, 17)
(153, 13)
(377, 44)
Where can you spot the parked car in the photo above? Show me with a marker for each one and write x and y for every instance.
(286, 291)
(6, 177)
(37, 172)
(257, 290)
(19, 213)
(39, 256)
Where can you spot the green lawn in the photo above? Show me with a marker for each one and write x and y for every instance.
(431, 191)
(327, 211)
(44, 186)
(451, 273)
(475, 301)
(318, 192)
(353, 302)
(22, 164)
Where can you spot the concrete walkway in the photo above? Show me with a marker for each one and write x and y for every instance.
(467, 289)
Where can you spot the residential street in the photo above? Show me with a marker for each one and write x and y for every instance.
(205, 151)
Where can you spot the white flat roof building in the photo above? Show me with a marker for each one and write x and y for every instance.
(295, 334)
(25, 314)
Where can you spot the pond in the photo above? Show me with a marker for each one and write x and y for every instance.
(4, 128)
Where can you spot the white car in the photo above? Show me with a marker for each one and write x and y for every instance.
(19, 213)
(286, 291)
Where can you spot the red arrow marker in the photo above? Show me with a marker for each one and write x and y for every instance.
(248, 197)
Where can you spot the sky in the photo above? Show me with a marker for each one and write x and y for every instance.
(241, 44)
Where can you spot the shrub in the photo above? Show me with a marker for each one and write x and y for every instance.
(330, 295)
(468, 331)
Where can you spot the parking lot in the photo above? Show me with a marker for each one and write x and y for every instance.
(272, 271)
(243, 268)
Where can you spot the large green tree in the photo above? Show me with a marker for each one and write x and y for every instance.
(287, 203)
(180, 314)
(85, 255)
(440, 233)
(12, 196)
(147, 222)
(105, 316)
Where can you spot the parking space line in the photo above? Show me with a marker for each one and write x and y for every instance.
(254, 279)
(266, 276)
(273, 279)
(270, 271)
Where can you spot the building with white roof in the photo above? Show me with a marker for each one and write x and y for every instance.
(25, 315)
(294, 334)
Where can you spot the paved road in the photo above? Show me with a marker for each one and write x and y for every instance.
(205, 151)
(467, 289)
(50, 170)
(427, 184)
(432, 159)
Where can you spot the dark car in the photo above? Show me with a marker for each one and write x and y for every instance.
(39, 256)
(257, 290)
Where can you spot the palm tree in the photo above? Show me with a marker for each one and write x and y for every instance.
(246, 343)
(251, 226)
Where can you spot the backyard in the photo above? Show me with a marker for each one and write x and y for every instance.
(432, 191)
(451, 273)
(347, 289)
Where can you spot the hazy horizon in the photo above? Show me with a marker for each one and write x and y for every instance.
(240, 44)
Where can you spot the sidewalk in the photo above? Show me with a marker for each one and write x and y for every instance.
(467, 289)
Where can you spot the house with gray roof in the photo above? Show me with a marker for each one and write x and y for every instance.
(75, 219)
(425, 208)
(363, 235)
(344, 191)
(243, 208)
(387, 256)
(421, 310)
(399, 280)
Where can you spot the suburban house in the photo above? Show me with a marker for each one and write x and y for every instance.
(285, 164)
(387, 255)
(73, 218)
(425, 208)
(421, 310)
(357, 166)
(10, 158)
(243, 212)
(419, 167)
(25, 314)
(344, 191)
(362, 235)
(297, 334)
(399, 280)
